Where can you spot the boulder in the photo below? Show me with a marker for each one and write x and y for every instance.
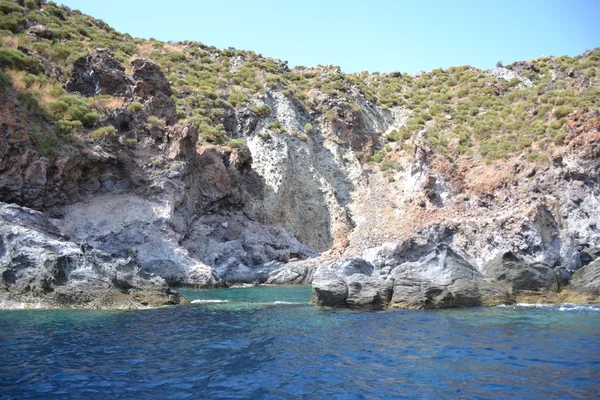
(441, 266)
(99, 74)
(522, 275)
(39, 267)
(37, 32)
(329, 289)
(407, 277)
(587, 279)
(150, 79)
(295, 272)
(368, 291)
(472, 293)
(349, 283)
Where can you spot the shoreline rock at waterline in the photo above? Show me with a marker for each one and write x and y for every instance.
(441, 278)
(40, 268)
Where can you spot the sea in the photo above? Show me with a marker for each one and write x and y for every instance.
(271, 343)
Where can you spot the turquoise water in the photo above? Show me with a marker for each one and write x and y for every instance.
(251, 346)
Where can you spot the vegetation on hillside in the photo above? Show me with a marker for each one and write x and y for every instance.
(460, 112)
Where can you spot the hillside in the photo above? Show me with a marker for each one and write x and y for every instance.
(211, 165)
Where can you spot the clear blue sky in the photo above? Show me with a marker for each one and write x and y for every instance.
(386, 35)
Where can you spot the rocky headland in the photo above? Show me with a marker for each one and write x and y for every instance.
(130, 166)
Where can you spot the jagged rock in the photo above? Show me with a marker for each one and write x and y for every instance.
(40, 32)
(439, 265)
(182, 142)
(438, 279)
(328, 289)
(149, 78)
(587, 279)
(40, 267)
(472, 293)
(523, 276)
(295, 272)
(99, 74)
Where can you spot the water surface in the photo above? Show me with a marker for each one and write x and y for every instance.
(269, 343)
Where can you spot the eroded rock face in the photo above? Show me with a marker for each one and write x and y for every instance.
(349, 283)
(587, 279)
(149, 79)
(439, 278)
(39, 267)
(523, 276)
(99, 74)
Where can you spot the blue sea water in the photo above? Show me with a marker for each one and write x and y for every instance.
(269, 343)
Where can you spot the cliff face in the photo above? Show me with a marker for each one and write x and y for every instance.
(209, 166)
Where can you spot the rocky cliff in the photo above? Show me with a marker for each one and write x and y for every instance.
(208, 167)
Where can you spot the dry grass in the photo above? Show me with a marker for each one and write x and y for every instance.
(16, 79)
(11, 41)
(144, 50)
(487, 178)
(106, 103)
(172, 48)
(44, 91)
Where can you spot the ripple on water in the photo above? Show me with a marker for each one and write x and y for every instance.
(253, 344)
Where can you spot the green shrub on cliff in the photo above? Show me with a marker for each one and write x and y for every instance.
(262, 111)
(236, 143)
(104, 132)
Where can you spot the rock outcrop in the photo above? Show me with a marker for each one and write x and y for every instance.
(587, 279)
(41, 268)
(99, 74)
(398, 278)
(349, 283)
(523, 276)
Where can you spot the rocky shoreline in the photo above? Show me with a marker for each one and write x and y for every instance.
(387, 278)
(41, 268)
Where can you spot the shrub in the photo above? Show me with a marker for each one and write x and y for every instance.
(18, 59)
(386, 164)
(103, 132)
(66, 127)
(135, 106)
(45, 142)
(156, 122)
(32, 4)
(262, 111)
(212, 134)
(235, 143)
(3, 81)
(30, 102)
(237, 98)
(11, 22)
(562, 112)
(393, 136)
(308, 128)
(8, 7)
(303, 137)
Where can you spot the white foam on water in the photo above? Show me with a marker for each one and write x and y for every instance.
(209, 301)
(575, 307)
(535, 305)
(286, 302)
(14, 305)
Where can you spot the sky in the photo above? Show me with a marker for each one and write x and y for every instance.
(377, 35)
